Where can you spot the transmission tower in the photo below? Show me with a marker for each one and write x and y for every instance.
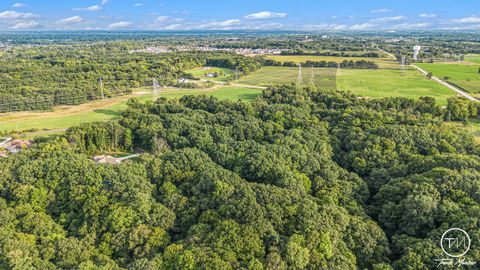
(156, 89)
(101, 88)
(299, 78)
(404, 61)
(312, 78)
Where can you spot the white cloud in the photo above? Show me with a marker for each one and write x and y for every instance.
(408, 26)
(381, 10)
(220, 25)
(120, 25)
(70, 20)
(162, 18)
(472, 19)
(328, 26)
(172, 27)
(388, 19)
(139, 5)
(104, 2)
(363, 26)
(265, 15)
(17, 15)
(26, 25)
(19, 5)
(91, 8)
(427, 15)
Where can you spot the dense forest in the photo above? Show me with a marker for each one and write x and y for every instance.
(298, 179)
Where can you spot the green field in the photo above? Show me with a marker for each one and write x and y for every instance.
(60, 119)
(267, 76)
(475, 58)
(382, 83)
(381, 62)
(464, 75)
(201, 71)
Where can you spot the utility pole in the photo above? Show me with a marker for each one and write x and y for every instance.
(236, 74)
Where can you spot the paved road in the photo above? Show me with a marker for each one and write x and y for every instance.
(456, 89)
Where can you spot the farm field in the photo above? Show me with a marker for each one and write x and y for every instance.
(324, 77)
(65, 117)
(382, 83)
(381, 62)
(463, 75)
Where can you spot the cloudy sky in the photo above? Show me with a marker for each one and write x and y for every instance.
(245, 14)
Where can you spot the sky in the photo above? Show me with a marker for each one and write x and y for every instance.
(244, 14)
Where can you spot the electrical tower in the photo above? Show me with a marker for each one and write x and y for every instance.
(299, 78)
(156, 89)
(312, 78)
(404, 62)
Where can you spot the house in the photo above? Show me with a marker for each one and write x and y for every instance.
(107, 160)
(103, 159)
(16, 146)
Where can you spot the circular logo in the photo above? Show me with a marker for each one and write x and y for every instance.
(455, 242)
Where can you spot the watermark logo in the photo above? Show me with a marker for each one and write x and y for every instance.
(455, 243)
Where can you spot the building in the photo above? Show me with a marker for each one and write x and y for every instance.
(103, 159)
(107, 160)
(16, 146)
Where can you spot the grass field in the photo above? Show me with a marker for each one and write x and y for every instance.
(464, 75)
(201, 71)
(381, 62)
(375, 83)
(267, 76)
(475, 58)
(65, 117)
(391, 83)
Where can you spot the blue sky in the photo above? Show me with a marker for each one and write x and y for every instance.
(244, 14)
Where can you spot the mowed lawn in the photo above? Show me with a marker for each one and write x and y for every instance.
(381, 62)
(382, 83)
(269, 76)
(60, 119)
(466, 76)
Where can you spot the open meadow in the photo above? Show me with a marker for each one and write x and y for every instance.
(466, 76)
(267, 76)
(381, 62)
(381, 83)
